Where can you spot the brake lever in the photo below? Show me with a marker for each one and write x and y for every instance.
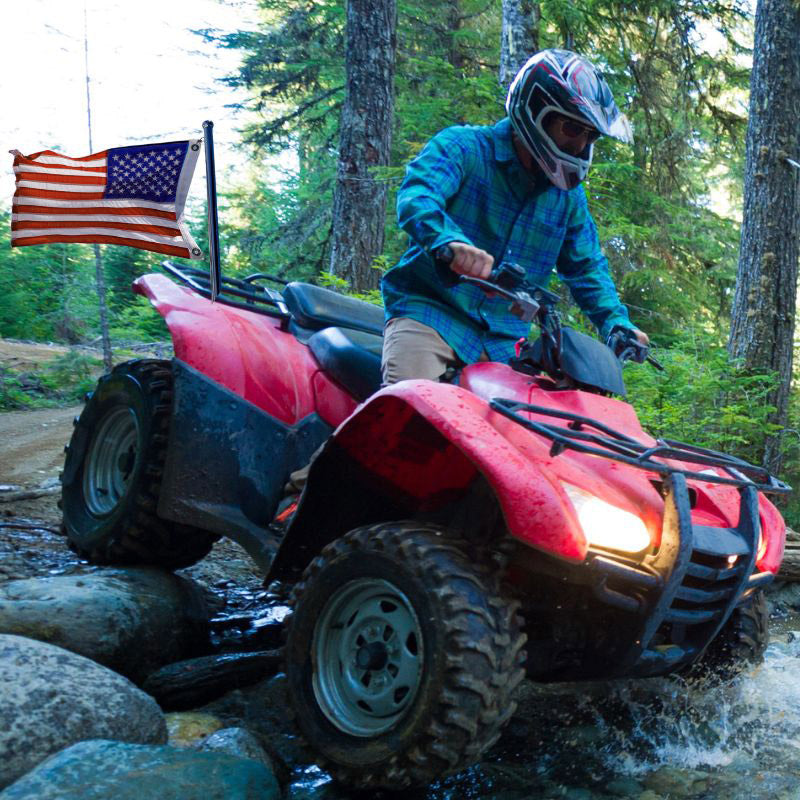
(523, 305)
(656, 364)
(506, 280)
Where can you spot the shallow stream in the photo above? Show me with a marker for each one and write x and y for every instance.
(639, 739)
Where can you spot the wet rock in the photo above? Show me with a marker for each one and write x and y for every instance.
(190, 728)
(624, 787)
(265, 710)
(99, 770)
(676, 782)
(783, 599)
(236, 742)
(130, 620)
(190, 683)
(52, 698)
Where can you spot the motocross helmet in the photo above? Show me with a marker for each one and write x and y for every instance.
(562, 82)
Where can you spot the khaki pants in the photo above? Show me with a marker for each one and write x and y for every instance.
(410, 350)
(414, 350)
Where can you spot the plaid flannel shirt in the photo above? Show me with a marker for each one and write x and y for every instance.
(468, 185)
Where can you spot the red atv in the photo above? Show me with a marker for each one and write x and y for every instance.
(452, 537)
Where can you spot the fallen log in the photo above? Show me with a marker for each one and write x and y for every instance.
(790, 567)
(191, 683)
(28, 494)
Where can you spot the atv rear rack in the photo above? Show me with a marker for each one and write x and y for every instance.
(254, 296)
(619, 447)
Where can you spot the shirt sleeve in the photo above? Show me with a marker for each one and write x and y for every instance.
(583, 267)
(431, 179)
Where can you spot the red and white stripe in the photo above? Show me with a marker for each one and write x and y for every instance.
(60, 199)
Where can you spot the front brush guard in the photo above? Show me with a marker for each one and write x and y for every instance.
(682, 595)
(699, 587)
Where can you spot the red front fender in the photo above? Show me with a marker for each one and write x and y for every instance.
(426, 441)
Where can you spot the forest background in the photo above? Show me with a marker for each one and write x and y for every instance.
(668, 208)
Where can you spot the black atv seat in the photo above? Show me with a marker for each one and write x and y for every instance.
(352, 358)
(314, 308)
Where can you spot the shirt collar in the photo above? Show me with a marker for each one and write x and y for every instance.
(523, 184)
(503, 145)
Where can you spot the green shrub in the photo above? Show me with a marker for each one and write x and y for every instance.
(139, 322)
(71, 375)
(62, 381)
(702, 399)
(11, 395)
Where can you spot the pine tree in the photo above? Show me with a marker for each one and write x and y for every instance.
(365, 135)
(762, 323)
(520, 37)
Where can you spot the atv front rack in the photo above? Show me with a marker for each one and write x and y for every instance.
(244, 293)
(616, 446)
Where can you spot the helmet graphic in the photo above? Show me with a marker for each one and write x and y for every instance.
(562, 82)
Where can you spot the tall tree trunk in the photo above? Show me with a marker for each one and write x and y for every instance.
(359, 201)
(762, 324)
(455, 22)
(520, 37)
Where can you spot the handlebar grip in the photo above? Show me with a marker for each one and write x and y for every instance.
(442, 259)
(444, 255)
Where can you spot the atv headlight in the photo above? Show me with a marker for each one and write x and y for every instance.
(605, 525)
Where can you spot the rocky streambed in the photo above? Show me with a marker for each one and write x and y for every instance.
(85, 652)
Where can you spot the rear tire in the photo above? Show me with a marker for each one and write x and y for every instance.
(113, 470)
(402, 656)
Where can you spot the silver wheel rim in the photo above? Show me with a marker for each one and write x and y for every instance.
(367, 655)
(110, 461)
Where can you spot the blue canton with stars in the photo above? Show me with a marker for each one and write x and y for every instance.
(145, 172)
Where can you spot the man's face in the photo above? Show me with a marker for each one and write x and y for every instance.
(569, 135)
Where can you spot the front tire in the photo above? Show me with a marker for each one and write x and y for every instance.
(402, 656)
(113, 469)
(740, 645)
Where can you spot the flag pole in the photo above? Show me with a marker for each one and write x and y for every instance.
(213, 221)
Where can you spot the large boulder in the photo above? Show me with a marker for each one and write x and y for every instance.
(51, 698)
(130, 620)
(99, 770)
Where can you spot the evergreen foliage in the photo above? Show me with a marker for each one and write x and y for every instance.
(666, 208)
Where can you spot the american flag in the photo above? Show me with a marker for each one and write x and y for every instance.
(131, 196)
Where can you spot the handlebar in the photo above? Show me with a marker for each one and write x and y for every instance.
(532, 302)
(506, 279)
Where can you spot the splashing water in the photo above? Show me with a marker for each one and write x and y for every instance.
(681, 739)
(670, 722)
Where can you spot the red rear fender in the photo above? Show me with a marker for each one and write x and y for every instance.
(243, 351)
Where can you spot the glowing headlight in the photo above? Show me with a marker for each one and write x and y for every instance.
(605, 525)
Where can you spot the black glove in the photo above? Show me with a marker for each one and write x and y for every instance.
(626, 347)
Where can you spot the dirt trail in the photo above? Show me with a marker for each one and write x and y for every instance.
(32, 444)
(27, 355)
(32, 454)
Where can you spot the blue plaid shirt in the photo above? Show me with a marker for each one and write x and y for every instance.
(468, 185)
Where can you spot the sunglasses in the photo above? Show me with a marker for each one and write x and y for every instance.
(573, 130)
